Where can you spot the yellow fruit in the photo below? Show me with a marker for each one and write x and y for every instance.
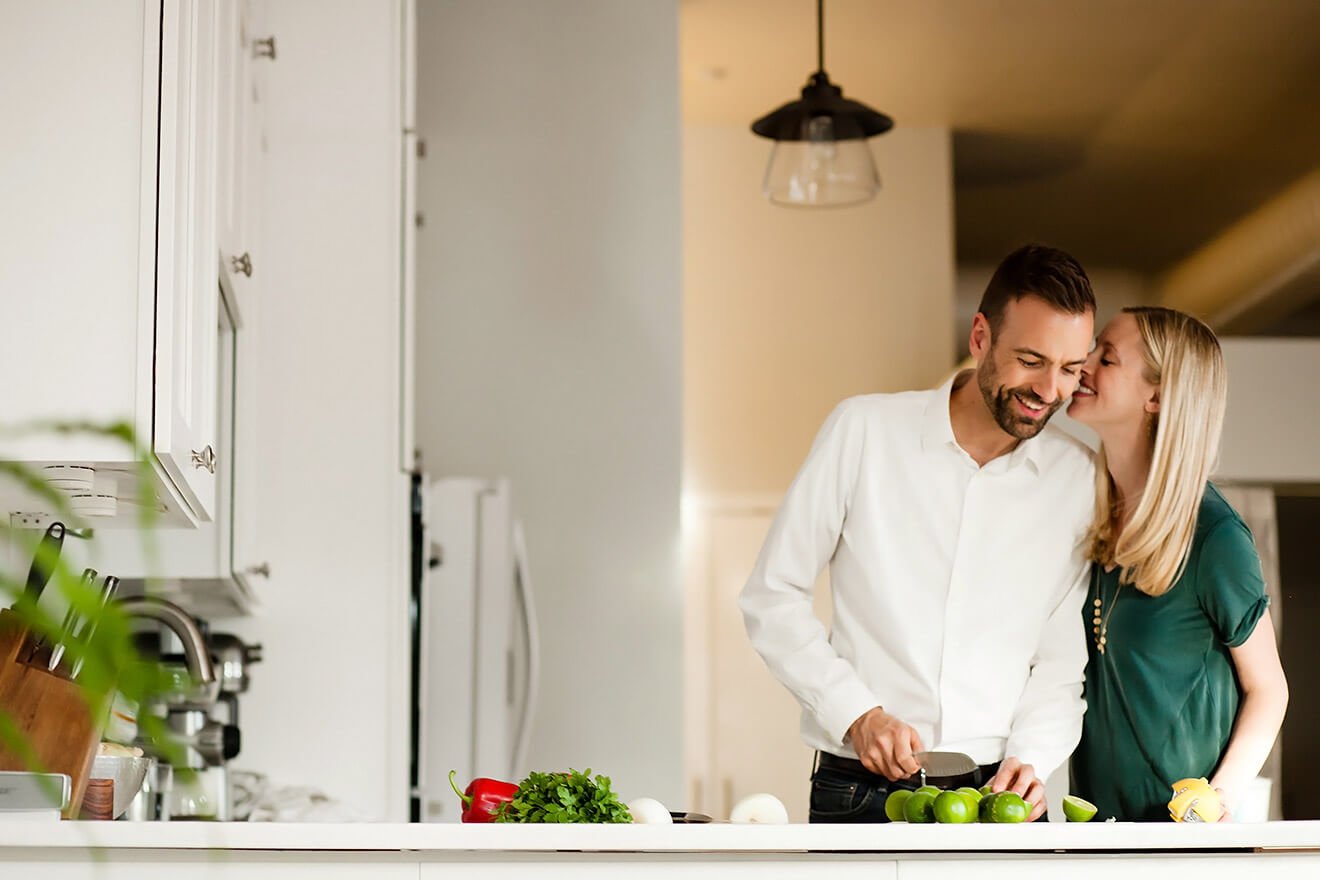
(1194, 800)
(1077, 810)
(953, 808)
(920, 808)
(894, 804)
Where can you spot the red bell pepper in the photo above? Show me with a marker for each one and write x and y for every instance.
(483, 797)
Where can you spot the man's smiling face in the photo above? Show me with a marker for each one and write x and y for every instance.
(1030, 368)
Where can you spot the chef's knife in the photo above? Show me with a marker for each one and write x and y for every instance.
(943, 765)
(108, 588)
(69, 628)
(43, 563)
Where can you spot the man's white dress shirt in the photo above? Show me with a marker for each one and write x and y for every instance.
(957, 589)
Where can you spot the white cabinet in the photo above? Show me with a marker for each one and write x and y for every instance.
(245, 50)
(187, 293)
(127, 189)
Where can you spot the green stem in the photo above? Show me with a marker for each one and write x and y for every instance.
(467, 801)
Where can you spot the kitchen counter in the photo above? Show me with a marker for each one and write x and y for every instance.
(421, 852)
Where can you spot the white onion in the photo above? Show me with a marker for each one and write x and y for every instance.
(649, 811)
(760, 809)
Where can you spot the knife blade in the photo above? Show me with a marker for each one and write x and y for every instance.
(69, 628)
(108, 588)
(942, 765)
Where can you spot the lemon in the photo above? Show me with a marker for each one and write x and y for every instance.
(920, 808)
(984, 807)
(894, 804)
(972, 793)
(1009, 808)
(1077, 810)
(952, 808)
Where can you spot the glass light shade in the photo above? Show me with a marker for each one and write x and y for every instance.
(819, 171)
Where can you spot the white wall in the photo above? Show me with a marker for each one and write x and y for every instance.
(548, 334)
(328, 705)
(788, 311)
(1273, 417)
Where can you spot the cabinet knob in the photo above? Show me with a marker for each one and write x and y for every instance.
(262, 570)
(204, 459)
(264, 48)
(243, 264)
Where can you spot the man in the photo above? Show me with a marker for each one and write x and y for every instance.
(952, 521)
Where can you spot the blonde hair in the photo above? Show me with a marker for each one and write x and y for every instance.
(1184, 361)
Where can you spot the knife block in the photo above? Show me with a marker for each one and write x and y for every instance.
(49, 711)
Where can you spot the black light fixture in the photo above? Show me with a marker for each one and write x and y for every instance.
(821, 158)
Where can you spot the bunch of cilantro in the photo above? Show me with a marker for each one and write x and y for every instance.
(564, 797)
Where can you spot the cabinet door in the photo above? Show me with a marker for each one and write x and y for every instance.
(240, 61)
(187, 292)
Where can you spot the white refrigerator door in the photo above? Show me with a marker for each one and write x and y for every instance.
(468, 605)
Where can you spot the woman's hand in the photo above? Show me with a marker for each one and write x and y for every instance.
(1227, 815)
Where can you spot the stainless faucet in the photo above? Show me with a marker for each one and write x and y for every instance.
(195, 653)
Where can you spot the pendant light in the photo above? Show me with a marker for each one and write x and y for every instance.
(821, 158)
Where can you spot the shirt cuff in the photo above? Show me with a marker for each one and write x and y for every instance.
(842, 706)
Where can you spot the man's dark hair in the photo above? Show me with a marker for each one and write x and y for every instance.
(1037, 270)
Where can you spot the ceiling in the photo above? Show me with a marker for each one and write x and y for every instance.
(1126, 131)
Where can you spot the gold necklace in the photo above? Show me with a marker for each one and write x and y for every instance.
(1100, 622)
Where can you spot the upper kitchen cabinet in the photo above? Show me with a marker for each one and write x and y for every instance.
(246, 49)
(118, 193)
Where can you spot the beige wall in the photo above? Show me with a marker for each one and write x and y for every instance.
(788, 311)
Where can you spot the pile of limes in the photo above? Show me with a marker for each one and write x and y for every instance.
(961, 806)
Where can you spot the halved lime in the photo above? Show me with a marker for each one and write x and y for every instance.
(894, 804)
(1076, 809)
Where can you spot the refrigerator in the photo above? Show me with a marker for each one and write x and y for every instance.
(474, 641)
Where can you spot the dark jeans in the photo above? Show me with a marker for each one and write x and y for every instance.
(842, 790)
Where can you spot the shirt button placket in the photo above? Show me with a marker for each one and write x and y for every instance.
(952, 723)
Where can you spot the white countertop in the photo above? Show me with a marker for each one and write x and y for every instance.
(383, 837)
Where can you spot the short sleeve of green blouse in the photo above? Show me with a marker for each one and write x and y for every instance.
(1229, 582)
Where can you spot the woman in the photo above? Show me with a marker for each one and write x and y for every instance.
(1183, 678)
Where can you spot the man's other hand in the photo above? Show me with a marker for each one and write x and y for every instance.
(885, 745)
(1015, 776)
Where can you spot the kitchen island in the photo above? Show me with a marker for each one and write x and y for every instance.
(67, 850)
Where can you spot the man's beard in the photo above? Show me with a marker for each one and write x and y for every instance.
(999, 399)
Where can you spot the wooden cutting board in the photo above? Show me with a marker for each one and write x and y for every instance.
(49, 710)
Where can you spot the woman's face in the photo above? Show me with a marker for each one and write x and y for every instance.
(1114, 391)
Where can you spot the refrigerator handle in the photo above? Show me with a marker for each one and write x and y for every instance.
(523, 588)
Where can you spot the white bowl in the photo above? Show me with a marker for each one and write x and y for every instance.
(127, 773)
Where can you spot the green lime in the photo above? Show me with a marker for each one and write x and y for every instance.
(920, 808)
(1077, 810)
(1009, 808)
(986, 789)
(983, 808)
(972, 793)
(934, 792)
(952, 808)
(894, 804)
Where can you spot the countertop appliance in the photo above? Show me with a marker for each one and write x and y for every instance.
(474, 640)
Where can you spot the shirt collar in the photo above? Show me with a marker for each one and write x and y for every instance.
(937, 431)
